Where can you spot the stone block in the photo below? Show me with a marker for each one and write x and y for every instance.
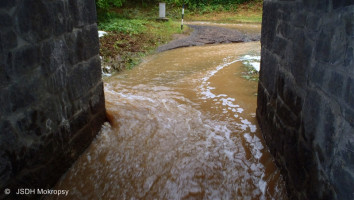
(294, 168)
(5, 21)
(318, 75)
(57, 82)
(292, 100)
(342, 3)
(349, 114)
(339, 44)
(280, 83)
(301, 64)
(8, 39)
(87, 43)
(94, 71)
(54, 57)
(312, 79)
(9, 137)
(41, 20)
(261, 101)
(5, 107)
(313, 22)
(79, 82)
(97, 100)
(23, 60)
(283, 29)
(343, 182)
(315, 5)
(283, 15)
(329, 134)
(5, 169)
(279, 46)
(70, 41)
(268, 24)
(346, 146)
(33, 83)
(27, 125)
(4, 78)
(62, 20)
(20, 97)
(80, 120)
(269, 67)
(51, 92)
(7, 4)
(286, 115)
(83, 11)
(299, 19)
(335, 85)
(14, 98)
(311, 110)
(349, 25)
(349, 60)
(323, 46)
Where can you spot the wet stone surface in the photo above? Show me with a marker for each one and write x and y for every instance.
(210, 35)
(49, 67)
(305, 95)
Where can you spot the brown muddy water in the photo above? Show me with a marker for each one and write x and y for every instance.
(183, 127)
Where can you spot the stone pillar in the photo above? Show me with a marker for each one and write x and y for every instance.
(306, 95)
(51, 92)
(162, 10)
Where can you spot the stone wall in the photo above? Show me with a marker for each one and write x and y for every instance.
(306, 95)
(51, 92)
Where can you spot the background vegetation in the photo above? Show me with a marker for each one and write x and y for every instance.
(190, 4)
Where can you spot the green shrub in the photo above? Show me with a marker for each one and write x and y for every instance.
(129, 26)
(106, 4)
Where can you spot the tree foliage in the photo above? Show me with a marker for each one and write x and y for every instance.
(205, 2)
(106, 4)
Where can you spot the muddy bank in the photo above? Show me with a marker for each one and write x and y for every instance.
(210, 35)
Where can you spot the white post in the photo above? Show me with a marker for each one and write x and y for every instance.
(162, 10)
(182, 16)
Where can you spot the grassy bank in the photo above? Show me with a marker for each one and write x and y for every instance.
(250, 12)
(134, 32)
(129, 40)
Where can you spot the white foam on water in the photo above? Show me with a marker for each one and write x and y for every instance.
(230, 104)
(102, 33)
(252, 60)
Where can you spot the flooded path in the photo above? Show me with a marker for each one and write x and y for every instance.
(183, 127)
(213, 33)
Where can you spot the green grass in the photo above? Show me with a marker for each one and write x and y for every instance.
(129, 40)
(119, 25)
(250, 73)
(244, 13)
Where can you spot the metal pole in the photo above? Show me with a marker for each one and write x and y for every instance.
(182, 16)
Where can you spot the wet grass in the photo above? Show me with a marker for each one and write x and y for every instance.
(250, 73)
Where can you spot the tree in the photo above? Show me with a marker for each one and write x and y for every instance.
(106, 4)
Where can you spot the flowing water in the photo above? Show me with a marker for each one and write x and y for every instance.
(183, 127)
